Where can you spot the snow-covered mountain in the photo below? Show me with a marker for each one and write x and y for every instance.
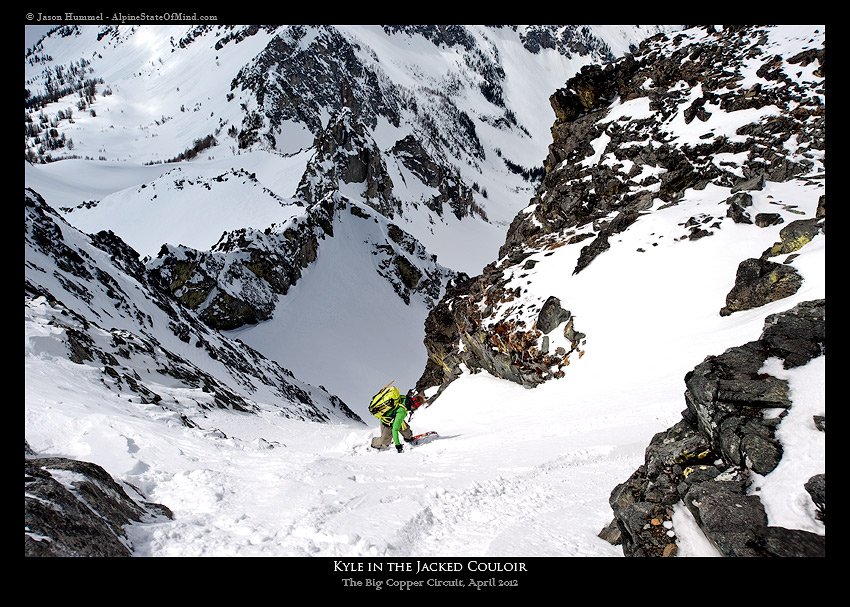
(472, 98)
(440, 129)
(301, 204)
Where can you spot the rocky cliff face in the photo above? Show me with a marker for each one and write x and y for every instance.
(608, 166)
(305, 72)
(680, 77)
(239, 280)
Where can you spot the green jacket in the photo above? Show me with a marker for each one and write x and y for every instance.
(397, 415)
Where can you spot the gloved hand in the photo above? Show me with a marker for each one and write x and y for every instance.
(399, 448)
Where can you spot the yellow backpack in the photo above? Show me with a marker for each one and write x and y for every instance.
(384, 402)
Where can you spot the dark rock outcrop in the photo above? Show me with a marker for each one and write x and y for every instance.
(264, 264)
(498, 331)
(759, 280)
(346, 153)
(707, 459)
(75, 508)
(437, 173)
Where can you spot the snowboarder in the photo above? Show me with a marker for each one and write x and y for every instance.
(391, 408)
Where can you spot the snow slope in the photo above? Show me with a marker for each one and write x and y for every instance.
(497, 483)
(188, 204)
(500, 481)
(341, 325)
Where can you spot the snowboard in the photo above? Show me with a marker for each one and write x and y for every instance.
(420, 439)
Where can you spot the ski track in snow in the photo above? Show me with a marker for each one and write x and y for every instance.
(515, 515)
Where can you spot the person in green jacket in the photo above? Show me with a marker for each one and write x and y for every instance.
(393, 422)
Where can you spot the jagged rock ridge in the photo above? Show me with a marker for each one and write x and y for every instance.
(623, 145)
(84, 291)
